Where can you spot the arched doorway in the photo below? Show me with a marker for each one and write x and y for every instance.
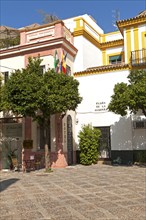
(69, 140)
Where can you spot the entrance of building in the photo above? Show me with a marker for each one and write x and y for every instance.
(69, 140)
(105, 143)
(10, 142)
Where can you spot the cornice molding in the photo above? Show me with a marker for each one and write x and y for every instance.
(109, 44)
(24, 49)
(114, 43)
(131, 22)
(27, 29)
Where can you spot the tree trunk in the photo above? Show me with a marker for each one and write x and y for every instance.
(47, 157)
(47, 143)
(23, 162)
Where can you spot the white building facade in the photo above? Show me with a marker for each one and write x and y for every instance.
(98, 61)
(113, 55)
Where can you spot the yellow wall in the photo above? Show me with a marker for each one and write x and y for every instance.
(128, 45)
(143, 39)
(136, 38)
(104, 57)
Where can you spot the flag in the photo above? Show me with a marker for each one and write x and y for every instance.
(61, 66)
(63, 63)
(56, 61)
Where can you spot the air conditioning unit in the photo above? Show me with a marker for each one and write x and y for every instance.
(140, 124)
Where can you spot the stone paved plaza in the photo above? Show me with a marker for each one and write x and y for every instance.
(97, 192)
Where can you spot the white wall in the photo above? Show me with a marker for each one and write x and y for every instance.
(115, 36)
(92, 55)
(10, 64)
(48, 61)
(114, 50)
(99, 88)
(139, 134)
(70, 23)
(92, 22)
(88, 54)
(139, 139)
(78, 63)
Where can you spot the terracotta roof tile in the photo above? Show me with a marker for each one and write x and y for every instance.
(102, 68)
(140, 15)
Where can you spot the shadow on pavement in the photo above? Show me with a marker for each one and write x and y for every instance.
(6, 183)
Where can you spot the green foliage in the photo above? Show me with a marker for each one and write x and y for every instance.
(9, 42)
(140, 156)
(130, 96)
(28, 92)
(49, 170)
(1, 93)
(88, 144)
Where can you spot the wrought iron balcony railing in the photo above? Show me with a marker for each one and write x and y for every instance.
(138, 57)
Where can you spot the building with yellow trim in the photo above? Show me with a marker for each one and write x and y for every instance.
(98, 61)
(102, 61)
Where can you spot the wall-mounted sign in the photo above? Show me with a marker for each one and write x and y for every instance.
(40, 34)
(12, 130)
(101, 106)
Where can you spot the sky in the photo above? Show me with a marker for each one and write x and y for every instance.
(20, 13)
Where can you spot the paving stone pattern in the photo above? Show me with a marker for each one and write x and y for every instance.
(97, 192)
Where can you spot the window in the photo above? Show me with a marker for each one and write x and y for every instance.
(68, 70)
(115, 59)
(43, 69)
(6, 76)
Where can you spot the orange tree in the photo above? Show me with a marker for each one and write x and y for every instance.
(28, 92)
(130, 97)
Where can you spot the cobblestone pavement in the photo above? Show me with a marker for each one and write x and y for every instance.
(97, 192)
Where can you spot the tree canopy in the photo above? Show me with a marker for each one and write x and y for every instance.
(9, 42)
(130, 96)
(29, 91)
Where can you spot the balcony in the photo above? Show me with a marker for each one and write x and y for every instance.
(138, 57)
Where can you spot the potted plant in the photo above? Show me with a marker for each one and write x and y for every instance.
(13, 159)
